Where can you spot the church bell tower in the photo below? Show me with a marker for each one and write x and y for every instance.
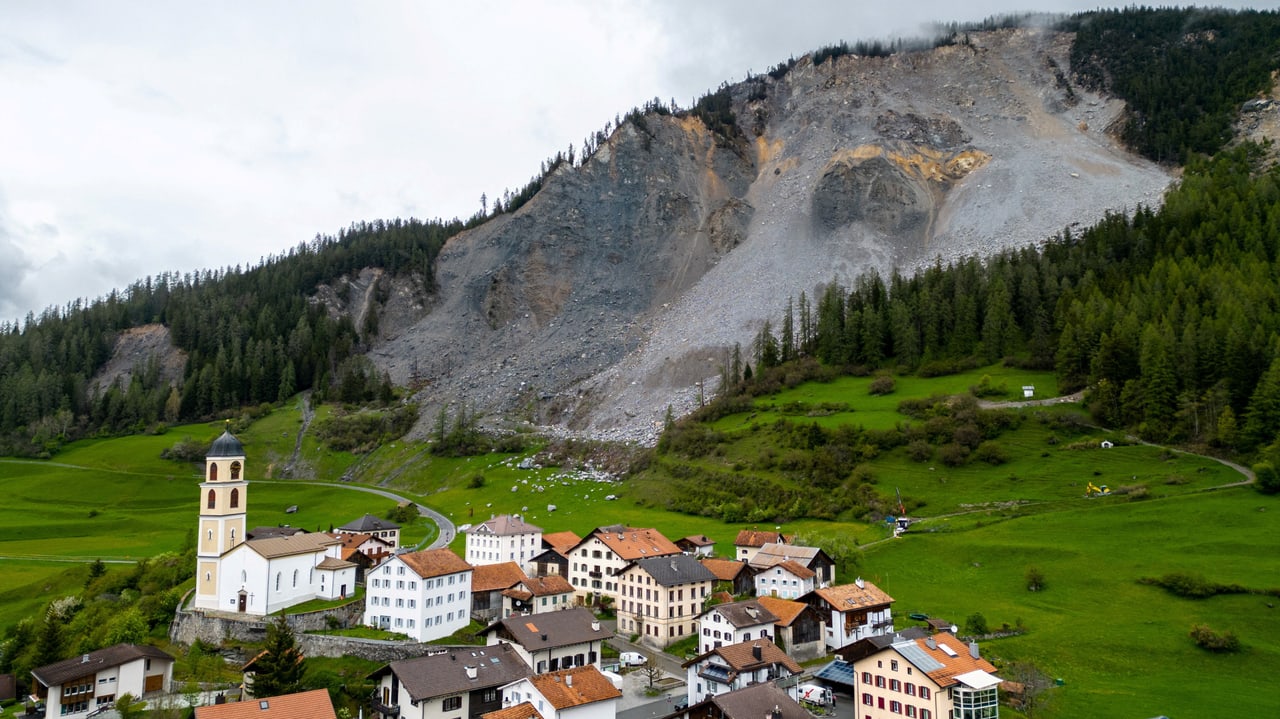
(223, 500)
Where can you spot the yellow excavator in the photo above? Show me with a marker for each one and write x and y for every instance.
(1096, 491)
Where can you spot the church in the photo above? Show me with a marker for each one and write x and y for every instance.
(256, 576)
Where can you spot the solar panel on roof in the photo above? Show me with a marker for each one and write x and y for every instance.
(917, 656)
(837, 671)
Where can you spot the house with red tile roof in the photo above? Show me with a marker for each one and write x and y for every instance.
(786, 580)
(426, 595)
(488, 582)
(314, 704)
(799, 628)
(934, 677)
(852, 612)
(599, 556)
(731, 575)
(577, 693)
(749, 541)
(536, 595)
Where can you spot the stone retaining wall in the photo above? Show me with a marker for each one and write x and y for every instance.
(215, 627)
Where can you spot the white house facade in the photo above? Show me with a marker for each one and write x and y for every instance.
(786, 580)
(578, 693)
(426, 595)
(82, 684)
(505, 538)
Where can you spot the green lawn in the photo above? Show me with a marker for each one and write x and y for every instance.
(1121, 647)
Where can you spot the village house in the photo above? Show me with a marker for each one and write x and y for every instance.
(852, 612)
(785, 580)
(554, 558)
(735, 666)
(749, 541)
(453, 684)
(258, 576)
(732, 576)
(733, 623)
(811, 558)
(375, 548)
(699, 545)
(934, 677)
(314, 704)
(488, 582)
(553, 640)
(384, 529)
(799, 628)
(82, 684)
(504, 538)
(426, 595)
(536, 595)
(595, 560)
(577, 693)
(748, 703)
(661, 597)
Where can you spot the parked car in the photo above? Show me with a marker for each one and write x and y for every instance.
(632, 659)
(681, 703)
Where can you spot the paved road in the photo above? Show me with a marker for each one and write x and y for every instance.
(447, 530)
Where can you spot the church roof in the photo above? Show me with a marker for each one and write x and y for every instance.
(225, 446)
(273, 547)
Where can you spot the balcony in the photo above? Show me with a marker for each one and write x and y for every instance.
(595, 575)
(383, 709)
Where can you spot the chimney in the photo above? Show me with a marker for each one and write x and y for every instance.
(929, 642)
(861, 584)
(471, 672)
(595, 625)
(84, 659)
(544, 637)
(973, 649)
(756, 653)
(568, 680)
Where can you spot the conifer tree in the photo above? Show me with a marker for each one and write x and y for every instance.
(280, 668)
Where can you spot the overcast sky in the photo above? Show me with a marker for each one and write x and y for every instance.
(140, 137)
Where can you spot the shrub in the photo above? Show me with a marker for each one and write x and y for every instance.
(953, 455)
(976, 624)
(882, 384)
(1268, 478)
(187, 449)
(920, 450)
(1035, 579)
(1206, 638)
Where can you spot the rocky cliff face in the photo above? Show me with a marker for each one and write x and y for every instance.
(622, 286)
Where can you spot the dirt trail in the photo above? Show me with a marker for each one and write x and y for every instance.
(308, 414)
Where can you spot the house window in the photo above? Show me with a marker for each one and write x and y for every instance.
(911, 710)
(213, 499)
(399, 570)
(244, 576)
(895, 685)
(277, 580)
(451, 704)
(910, 689)
(399, 602)
(235, 495)
(924, 694)
(233, 536)
(866, 677)
(895, 707)
(413, 603)
(295, 577)
(926, 714)
(880, 681)
(490, 695)
(893, 664)
(866, 699)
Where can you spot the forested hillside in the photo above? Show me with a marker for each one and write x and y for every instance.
(1172, 317)
(1167, 313)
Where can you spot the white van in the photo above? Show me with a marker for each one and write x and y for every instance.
(815, 694)
(632, 659)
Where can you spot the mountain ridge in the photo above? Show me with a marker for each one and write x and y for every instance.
(622, 286)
